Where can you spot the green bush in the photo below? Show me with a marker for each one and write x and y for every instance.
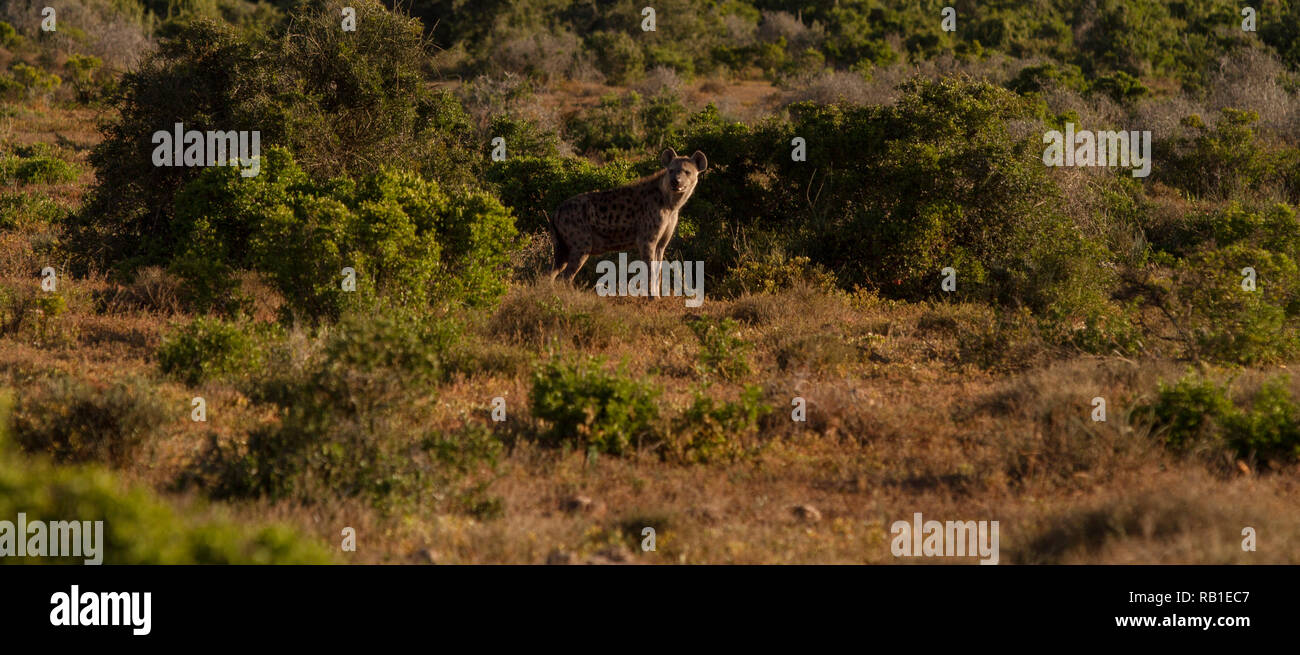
(1196, 411)
(36, 165)
(409, 243)
(1216, 317)
(138, 527)
(1219, 162)
(722, 351)
(9, 37)
(347, 420)
(591, 409)
(34, 80)
(75, 421)
(344, 103)
(617, 56)
(628, 123)
(775, 272)
(208, 348)
(1222, 321)
(931, 182)
(710, 431)
(22, 209)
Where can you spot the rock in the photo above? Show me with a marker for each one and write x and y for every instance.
(612, 555)
(577, 504)
(806, 513)
(584, 505)
(559, 558)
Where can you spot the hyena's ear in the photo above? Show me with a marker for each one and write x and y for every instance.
(701, 162)
(667, 157)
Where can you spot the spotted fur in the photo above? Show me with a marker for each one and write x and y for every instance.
(641, 215)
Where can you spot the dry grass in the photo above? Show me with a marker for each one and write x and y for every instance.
(897, 424)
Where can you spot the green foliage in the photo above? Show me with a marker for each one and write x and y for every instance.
(617, 56)
(83, 68)
(24, 209)
(590, 408)
(344, 103)
(1035, 79)
(138, 527)
(34, 81)
(524, 138)
(76, 421)
(9, 37)
(36, 165)
(347, 420)
(933, 181)
(710, 431)
(722, 351)
(410, 244)
(1218, 162)
(1195, 411)
(628, 123)
(1224, 321)
(208, 348)
(774, 272)
(1217, 317)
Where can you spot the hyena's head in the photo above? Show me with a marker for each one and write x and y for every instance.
(682, 172)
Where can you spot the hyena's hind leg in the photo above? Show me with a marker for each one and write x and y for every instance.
(560, 260)
(574, 264)
(560, 256)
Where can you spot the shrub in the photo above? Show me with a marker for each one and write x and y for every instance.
(775, 272)
(1218, 162)
(935, 180)
(36, 165)
(76, 421)
(9, 37)
(25, 209)
(407, 241)
(35, 81)
(628, 123)
(83, 69)
(1036, 79)
(1188, 411)
(710, 431)
(138, 527)
(1196, 411)
(208, 348)
(1217, 318)
(347, 420)
(344, 103)
(1222, 321)
(590, 408)
(722, 351)
(617, 56)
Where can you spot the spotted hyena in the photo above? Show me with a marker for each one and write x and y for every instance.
(642, 214)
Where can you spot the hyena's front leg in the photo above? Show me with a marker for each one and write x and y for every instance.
(661, 249)
(646, 248)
